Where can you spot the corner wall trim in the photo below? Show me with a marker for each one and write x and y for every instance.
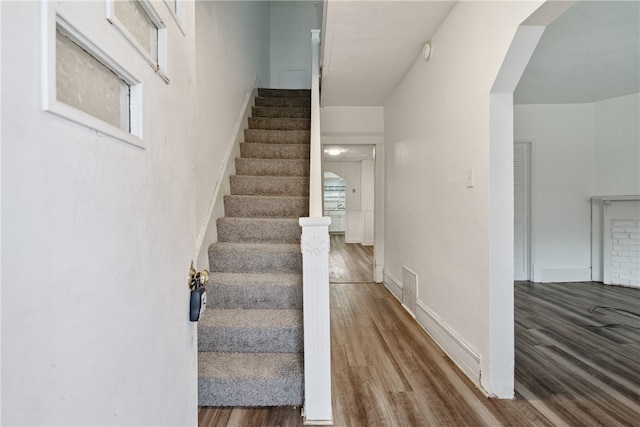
(458, 350)
(223, 173)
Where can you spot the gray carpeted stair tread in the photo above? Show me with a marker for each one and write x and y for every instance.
(254, 291)
(274, 151)
(257, 318)
(250, 379)
(269, 185)
(268, 123)
(255, 257)
(253, 279)
(258, 230)
(250, 340)
(281, 112)
(266, 206)
(250, 330)
(263, 136)
(284, 93)
(272, 167)
(283, 102)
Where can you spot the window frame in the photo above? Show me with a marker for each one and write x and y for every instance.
(52, 21)
(159, 66)
(178, 14)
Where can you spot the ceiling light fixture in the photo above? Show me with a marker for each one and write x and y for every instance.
(333, 151)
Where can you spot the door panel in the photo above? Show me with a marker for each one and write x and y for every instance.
(521, 209)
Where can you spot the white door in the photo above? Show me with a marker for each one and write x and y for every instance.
(521, 209)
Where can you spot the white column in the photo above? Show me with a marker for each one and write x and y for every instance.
(317, 338)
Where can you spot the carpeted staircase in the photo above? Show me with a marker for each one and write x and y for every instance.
(250, 339)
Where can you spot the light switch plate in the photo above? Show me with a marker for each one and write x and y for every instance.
(471, 178)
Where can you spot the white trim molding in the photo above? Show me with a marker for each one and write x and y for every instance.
(208, 227)
(52, 20)
(159, 65)
(177, 14)
(458, 350)
(393, 285)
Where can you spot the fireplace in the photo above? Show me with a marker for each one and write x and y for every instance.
(615, 241)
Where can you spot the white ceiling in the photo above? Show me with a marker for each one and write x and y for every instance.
(370, 45)
(349, 153)
(589, 53)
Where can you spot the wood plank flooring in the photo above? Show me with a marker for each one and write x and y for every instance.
(349, 262)
(577, 364)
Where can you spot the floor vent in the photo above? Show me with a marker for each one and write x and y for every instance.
(409, 290)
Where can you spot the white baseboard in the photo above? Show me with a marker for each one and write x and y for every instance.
(208, 233)
(458, 350)
(393, 284)
(547, 275)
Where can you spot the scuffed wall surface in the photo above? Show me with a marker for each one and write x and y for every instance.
(97, 237)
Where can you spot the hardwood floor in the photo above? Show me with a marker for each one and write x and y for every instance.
(349, 262)
(577, 364)
(578, 352)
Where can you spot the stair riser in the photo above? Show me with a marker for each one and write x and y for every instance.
(281, 112)
(254, 262)
(279, 124)
(274, 151)
(250, 358)
(251, 392)
(255, 297)
(248, 340)
(269, 186)
(267, 207)
(258, 232)
(283, 102)
(272, 167)
(262, 136)
(285, 93)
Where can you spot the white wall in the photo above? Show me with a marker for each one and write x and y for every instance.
(563, 149)
(97, 235)
(617, 146)
(291, 25)
(578, 151)
(232, 48)
(437, 125)
(352, 121)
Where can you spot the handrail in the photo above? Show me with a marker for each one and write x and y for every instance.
(315, 168)
(314, 245)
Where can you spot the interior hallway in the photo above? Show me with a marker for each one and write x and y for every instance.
(577, 360)
(349, 262)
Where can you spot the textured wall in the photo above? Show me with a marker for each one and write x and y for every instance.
(97, 237)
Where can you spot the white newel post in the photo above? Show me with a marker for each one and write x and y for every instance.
(314, 245)
(317, 339)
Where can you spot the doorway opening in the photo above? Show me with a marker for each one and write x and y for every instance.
(349, 187)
